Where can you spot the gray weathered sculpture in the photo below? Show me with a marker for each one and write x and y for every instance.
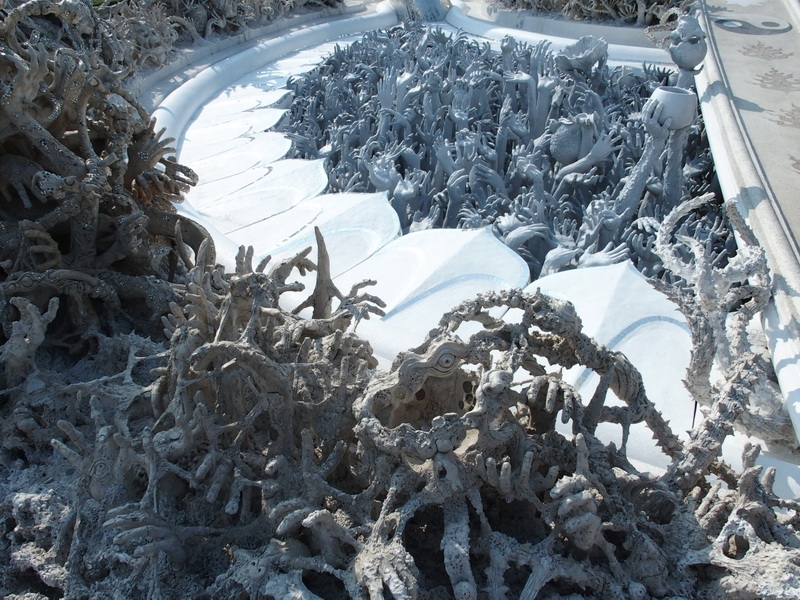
(248, 452)
(719, 303)
(687, 48)
(565, 159)
(641, 12)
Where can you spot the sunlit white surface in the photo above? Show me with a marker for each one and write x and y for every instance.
(263, 148)
(238, 99)
(354, 226)
(250, 195)
(263, 191)
(620, 310)
(422, 275)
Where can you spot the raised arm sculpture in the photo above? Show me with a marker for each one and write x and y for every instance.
(250, 452)
(493, 134)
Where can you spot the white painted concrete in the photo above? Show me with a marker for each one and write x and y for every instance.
(249, 195)
(460, 18)
(744, 181)
(354, 227)
(422, 275)
(179, 108)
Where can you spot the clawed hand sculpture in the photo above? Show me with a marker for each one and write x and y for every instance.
(253, 452)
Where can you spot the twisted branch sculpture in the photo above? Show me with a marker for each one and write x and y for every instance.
(253, 452)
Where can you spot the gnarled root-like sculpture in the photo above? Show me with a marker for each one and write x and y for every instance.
(262, 455)
(720, 295)
(256, 453)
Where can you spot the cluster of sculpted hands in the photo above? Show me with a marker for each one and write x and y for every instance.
(567, 160)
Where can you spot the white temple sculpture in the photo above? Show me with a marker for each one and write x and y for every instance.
(174, 427)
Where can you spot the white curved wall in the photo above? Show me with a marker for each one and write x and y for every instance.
(412, 308)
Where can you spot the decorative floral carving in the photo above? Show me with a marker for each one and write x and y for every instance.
(789, 117)
(762, 50)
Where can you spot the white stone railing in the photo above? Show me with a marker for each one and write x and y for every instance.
(741, 180)
(178, 109)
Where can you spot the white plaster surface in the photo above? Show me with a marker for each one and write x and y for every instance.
(620, 310)
(266, 189)
(354, 226)
(250, 195)
(422, 275)
(786, 357)
(623, 312)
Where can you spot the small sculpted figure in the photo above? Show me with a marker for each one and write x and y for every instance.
(687, 48)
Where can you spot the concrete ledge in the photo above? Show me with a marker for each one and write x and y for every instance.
(531, 30)
(742, 181)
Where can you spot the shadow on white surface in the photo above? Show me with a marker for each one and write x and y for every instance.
(422, 275)
(622, 311)
(354, 226)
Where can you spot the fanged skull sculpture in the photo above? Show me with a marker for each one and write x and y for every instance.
(687, 47)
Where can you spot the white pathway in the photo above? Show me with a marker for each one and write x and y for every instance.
(251, 195)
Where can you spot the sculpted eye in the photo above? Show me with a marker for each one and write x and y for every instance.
(100, 469)
(446, 360)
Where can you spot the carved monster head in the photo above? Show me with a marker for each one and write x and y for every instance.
(421, 387)
(687, 45)
(584, 54)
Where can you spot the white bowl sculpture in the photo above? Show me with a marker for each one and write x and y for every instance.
(679, 104)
